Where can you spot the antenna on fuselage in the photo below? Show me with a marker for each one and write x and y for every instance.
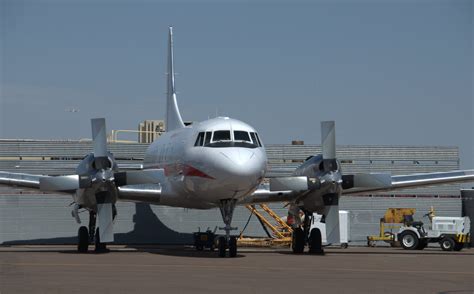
(173, 117)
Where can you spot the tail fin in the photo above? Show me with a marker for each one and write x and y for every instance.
(173, 117)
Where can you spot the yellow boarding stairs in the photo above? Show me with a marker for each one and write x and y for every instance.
(280, 231)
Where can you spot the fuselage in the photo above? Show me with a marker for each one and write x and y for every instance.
(221, 158)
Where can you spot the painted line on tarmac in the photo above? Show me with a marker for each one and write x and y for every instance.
(229, 267)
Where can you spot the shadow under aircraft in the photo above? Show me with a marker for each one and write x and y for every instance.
(148, 229)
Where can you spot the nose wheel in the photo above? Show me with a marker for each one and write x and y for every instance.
(227, 242)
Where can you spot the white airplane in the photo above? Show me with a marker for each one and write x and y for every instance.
(220, 162)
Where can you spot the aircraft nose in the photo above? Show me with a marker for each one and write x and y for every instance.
(242, 166)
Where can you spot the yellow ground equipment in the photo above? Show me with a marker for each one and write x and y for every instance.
(393, 219)
(280, 230)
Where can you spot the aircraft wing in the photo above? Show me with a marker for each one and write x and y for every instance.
(292, 188)
(69, 183)
(20, 179)
(264, 195)
(130, 166)
(365, 183)
(140, 193)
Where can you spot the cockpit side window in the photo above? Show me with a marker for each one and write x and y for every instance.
(199, 139)
(221, 136)
(207, 139)
(258, 139)
(241, 136)
(255, 139)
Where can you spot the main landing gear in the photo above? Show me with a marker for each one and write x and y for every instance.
(303, 236)
(227, 242)
(87, 235)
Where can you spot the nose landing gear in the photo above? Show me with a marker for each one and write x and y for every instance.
(227, 242)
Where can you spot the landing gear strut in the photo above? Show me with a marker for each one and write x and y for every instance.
(227, 210)
(303, 236)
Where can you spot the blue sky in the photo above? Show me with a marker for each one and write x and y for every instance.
(388, 72)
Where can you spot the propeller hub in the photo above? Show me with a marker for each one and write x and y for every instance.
(104, 175)
(332, 180)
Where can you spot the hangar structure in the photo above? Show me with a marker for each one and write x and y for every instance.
(32, 217)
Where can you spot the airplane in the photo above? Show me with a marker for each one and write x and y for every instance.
(220, 162)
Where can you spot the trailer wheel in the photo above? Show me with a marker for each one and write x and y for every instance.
(409, 240)
(447, 244)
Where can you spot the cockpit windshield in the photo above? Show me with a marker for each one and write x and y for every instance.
(226, 138)
(221, 136)
(242, 136)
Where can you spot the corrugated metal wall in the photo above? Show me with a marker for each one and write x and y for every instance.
(46, 218)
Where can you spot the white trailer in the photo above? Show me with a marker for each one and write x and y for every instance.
(344, 227)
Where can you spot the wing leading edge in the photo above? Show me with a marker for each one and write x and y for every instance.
(417, 180)
(366, 183)
(20, 179)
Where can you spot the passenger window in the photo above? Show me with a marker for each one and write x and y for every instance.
(207, 139)
(199, 139)
(221, 136)
(241, 136)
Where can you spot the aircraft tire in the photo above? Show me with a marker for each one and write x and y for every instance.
(82, 239)
(222, 246)
(297, 243)
(233, 246)
(99, 247)
(315, 242)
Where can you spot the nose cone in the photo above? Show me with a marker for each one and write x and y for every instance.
(241, 168)
(332, 181)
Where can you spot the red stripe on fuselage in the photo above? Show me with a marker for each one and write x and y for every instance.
(183, 169)
(194, 172)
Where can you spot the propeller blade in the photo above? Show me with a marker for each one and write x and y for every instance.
(99, 137)
(106, 224)
(328, 145)
(301, 183)
(372, 180)
(331, 218)
(64, 183)
(328, 139)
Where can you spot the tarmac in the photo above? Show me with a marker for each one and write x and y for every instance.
(179, 269)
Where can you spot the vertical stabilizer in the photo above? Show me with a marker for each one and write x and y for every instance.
(173, 117)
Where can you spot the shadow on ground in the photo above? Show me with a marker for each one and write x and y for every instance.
(147, 229)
